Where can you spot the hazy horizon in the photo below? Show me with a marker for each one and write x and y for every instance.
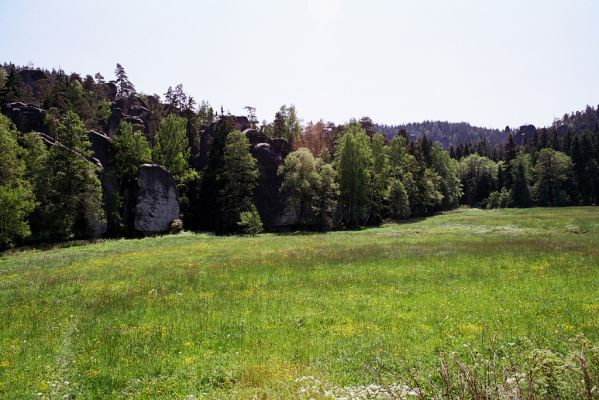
(494, 64)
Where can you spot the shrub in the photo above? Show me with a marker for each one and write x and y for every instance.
(250, 221)
(176, 226)
(500, 199)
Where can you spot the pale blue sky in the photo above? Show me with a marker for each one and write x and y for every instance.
(491, 63)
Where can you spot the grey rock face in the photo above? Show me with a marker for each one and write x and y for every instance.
(526, 132)
(156, 200)
(102, 151)
(26, 117)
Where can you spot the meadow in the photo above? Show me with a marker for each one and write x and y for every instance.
(420, 307)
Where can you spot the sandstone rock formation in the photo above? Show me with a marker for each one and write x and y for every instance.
(26, 117)
(156, 200)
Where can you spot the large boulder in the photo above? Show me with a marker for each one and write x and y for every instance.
(156, 200)
(101, 146)
(26, 117)
(526, 133)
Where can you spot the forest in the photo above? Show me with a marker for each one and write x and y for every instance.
(234, 174)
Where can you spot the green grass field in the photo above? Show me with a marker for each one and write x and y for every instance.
(200, 316)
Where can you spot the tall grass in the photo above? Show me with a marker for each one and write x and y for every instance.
(468, 304)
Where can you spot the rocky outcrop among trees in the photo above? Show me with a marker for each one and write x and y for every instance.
(107, 160)
(156, 200)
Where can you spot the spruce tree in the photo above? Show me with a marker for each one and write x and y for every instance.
(237, 179)
(521, 192)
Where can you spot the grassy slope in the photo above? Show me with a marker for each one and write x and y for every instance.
(194, 314)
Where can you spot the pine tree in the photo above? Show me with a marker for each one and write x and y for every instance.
(521, 192)
(124, 87)
(70, 194)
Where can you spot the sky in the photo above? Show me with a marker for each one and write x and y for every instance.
(488, 62)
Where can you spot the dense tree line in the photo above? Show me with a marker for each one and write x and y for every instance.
(333, 176)
(546, 171)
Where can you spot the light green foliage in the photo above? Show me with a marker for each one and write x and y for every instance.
(2, 78)
(11, 167)
(286, 125)
(131, 149)
(16, 203)
(205, 114)
(354, 166)
(552, 177)
(103, 110)
(300, 181)
(171, 148)
(294, 126)
(16, 198)
(250, 221)
(398, 199)
(311, 186)
(479, 177)
(238, 178)
(245, 317)
(448, 170)
(327, 194)
(500, 199)
(380, 179)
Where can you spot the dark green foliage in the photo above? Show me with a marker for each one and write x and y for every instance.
(67, 189)
(521, 191)
(124, 87)
(250, 222)
(12, 87)
(236, 180)
(207, 207)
